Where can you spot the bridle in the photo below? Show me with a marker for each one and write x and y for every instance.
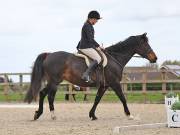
(146, 53)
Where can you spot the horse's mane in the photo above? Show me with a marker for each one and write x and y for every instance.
(121, 45)
(127, 43)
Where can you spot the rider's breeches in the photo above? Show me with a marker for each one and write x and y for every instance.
(92, 53)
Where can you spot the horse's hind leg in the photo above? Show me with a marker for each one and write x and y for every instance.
(99, 95)
(42, 95)
(51, 96)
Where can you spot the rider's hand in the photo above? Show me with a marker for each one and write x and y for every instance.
(99, 48)
(102, 47)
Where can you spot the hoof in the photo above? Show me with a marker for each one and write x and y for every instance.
(37, 115)
(94, 118)
(53, 117)
(92, 115)
(130, 117)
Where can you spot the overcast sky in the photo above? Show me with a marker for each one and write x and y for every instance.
(30, 27)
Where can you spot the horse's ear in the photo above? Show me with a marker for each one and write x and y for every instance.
(144, 35)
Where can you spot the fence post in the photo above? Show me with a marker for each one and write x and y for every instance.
(125, 87)
(21, 85)
(71, 93)
(144, 85)
(20, 80)
(125, 82)
(163, 77)
(6, 87)
(144, 81)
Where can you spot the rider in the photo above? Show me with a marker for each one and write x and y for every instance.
(88, 45)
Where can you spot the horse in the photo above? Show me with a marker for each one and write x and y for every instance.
(58, 66)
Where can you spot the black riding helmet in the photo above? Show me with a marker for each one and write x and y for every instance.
(94, 14)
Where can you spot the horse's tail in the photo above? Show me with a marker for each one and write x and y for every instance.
(36, 78)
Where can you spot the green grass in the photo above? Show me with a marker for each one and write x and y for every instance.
(134, 97)
(14, 96)
(110, 97)
(1, 88)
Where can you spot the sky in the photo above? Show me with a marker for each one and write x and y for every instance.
(31, 27)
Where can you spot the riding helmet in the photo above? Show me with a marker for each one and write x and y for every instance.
(94, 14)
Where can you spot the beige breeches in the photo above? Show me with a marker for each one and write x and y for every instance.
(92, 53)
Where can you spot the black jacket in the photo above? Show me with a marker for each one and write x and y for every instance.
(87, 37)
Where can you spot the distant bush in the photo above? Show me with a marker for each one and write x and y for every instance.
(170, 94)
(173, 86)
(137, 86)
(176, 106)
(154, 86)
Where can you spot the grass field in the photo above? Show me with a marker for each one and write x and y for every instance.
(133, 97)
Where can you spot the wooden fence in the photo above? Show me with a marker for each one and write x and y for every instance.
(125, 82)
(144, 81)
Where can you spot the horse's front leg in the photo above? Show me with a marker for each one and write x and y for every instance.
(99, 95)
(42, 95)
(118, 90)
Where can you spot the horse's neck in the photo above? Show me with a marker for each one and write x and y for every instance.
(123, 57)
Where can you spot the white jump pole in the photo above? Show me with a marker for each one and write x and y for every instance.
(18, 106)
(136, 127)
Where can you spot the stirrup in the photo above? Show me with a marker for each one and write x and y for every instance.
(86, 78)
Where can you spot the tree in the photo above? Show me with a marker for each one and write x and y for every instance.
(169, 62)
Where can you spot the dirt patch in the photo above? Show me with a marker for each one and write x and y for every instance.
(72, 119)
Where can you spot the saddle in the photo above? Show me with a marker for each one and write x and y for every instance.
(99, 72)
(88, 60)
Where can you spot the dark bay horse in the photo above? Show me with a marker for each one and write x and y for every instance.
(58, 66)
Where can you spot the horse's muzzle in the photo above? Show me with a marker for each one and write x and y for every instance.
(152, 57)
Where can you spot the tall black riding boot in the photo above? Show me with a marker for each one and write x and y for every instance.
(86, 75)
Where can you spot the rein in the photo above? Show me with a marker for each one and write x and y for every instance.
(137, 56)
